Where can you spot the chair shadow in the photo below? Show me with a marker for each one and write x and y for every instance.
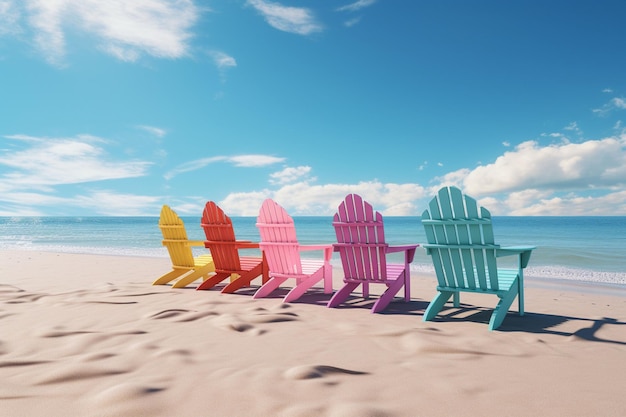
(537, 323)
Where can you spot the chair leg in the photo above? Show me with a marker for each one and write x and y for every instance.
(169, 276)
(267, 288)
(189, 278)
(243, 280)
(297, 291)
(407, 285)
(328, 279)
(499, 313)
(214, 280)
(341, 295)
(387, 296)
(437, 304)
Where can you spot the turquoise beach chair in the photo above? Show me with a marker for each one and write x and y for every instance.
(461, 244)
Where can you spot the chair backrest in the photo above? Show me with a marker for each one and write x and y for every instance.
(460, 240)
(220, 237)
(175, 238)
(278, 239)
(360, 240)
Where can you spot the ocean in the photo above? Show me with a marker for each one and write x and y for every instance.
(589, 249)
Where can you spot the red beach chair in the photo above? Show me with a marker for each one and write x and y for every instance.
(224, 247)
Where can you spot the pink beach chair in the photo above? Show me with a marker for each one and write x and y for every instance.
(363, 251)
(282, 252)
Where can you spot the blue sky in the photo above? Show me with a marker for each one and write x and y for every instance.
(117, 107)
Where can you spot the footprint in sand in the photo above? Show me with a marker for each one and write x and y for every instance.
(247, 320)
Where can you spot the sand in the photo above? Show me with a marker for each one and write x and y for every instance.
(84, 335)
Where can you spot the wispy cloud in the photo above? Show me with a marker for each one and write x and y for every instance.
(9, 18)
(223, 60)
(296, 20)
(42, 163)
(356, 6)
(156, 131)
(616, 103)
(124, 29)
(247, 161)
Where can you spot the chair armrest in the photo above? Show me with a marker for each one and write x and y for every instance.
(328, 249)
(523, 252)
(195, 242)
(409, 249)
(238, 244)
(246, 244)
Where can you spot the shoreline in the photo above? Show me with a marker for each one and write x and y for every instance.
(547, 282)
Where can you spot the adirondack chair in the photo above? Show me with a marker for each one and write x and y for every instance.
(224, 247)
(363, 251)
(461, 244)
(282, 251)
(185, 267)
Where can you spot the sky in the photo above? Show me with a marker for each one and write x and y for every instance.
(117, 107)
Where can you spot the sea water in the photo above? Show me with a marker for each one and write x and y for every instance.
(570, 248)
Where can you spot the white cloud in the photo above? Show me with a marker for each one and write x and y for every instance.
(124, 29)
(223, 60)
(247, 161)
(254, 160)
(357, 5)
(111, 203)
(351, 22)
(289, 175)
(9, 18)
(594, 163)
(100, 202)
(47, 162)
(613, 203)
(302, 198)
(296, 20)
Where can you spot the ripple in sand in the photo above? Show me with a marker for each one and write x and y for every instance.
(126, 392)
(166, 314)
(317, 371)
(9, 364)
(77, 374)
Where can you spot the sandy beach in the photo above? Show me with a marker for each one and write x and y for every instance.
(85, 335)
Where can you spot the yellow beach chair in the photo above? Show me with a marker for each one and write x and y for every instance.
(185, 267)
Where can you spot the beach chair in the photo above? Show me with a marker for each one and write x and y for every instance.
(224, 247)
(282, 252)
(461, 245)
(363, 252)
(185, 267)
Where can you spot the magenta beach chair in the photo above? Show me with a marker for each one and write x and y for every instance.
(363, 251)
(282, 252)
